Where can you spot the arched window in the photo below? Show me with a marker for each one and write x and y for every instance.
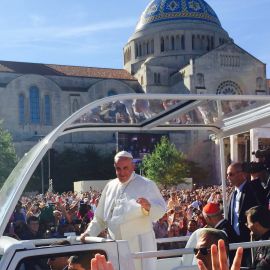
(212, 43)
(47, 110)
(34, 105)
(208, 47)
(162, 44)
(200, 42)
(200, 80)
(111, 92)
(143, 49)
(140, 49)
(157, 78)
(172, 43)
(167, 43)
(183, 45)
(136, 50)
(193, 42)
(75, 105)
(259, 83)
(21, 109)
(152, 46)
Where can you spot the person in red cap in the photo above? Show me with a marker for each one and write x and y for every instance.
(213, 215)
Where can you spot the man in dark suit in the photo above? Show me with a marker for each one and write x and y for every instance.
(246, 195)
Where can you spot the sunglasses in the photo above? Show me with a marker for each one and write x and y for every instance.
(203, 251)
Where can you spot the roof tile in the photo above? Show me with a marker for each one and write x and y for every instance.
(63, 70)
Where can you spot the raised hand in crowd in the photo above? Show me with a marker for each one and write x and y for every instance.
(220, 260)
(99, 262)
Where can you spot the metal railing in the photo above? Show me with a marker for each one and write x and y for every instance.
(182, 251)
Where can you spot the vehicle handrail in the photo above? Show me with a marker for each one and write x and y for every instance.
(181, 251)
(253, 244)
(172, 239)
(162, 253)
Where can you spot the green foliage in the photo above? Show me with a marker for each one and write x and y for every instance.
(8, 158)
(165, 165)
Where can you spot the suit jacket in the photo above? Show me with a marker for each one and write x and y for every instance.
(252, 194)
(225, 226)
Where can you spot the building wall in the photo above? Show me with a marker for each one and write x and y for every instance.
(161, 62)
(66, 94)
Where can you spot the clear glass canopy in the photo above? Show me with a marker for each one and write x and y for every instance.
(202, 112)
(223, 115)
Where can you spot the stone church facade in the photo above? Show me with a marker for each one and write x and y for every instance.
(178, 46)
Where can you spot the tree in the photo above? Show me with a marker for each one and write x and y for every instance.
(8, 157)
(165, 165)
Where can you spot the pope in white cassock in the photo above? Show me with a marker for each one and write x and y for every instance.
(127, 207)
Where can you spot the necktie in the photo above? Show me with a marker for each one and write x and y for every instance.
(233, 204)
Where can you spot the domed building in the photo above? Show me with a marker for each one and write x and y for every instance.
(170, 33)
(178, 46)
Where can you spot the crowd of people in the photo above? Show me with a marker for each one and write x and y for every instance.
(52, 215)
(188, 211)
(56, 215)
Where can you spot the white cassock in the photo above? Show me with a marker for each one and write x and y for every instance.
(118, 211)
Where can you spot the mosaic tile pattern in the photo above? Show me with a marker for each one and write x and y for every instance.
(167, 10)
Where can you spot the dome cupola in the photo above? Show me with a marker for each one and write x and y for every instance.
(171, 32)
(177, 10)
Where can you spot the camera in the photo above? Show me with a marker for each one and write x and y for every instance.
(262, 165)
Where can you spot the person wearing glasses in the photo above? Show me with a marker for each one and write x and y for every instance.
(207, 238)
(246, 195)
(220, 259)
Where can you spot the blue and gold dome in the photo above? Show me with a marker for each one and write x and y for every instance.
(172, 10)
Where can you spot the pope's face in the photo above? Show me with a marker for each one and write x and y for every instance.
(124, 167)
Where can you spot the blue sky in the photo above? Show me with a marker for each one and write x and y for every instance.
(93, 33)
